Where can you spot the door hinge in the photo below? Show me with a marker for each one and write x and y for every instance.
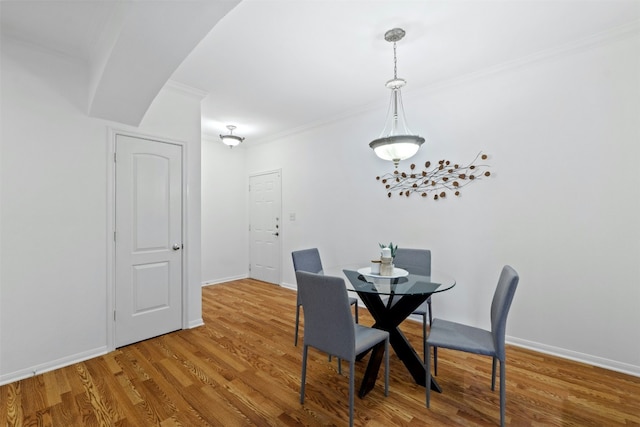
(114, 315)
(249, 227)
(114, 236)
(249, 266)
(249, 187)
(114, 157)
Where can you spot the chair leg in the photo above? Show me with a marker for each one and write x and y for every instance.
(304, 373)
(435, 361)
(339, 364)
(435, 349)
(295, 341)
(424, 335)
(386, 367)
(493, 374)
(503, 394)
(427, 383)
(330, 357)
(356, 304)
(352, 383)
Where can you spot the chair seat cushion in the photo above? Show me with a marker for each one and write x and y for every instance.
(423, 308)
(461, 337)
(368, 337)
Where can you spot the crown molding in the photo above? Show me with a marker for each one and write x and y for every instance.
(595, 40)
(185, 89)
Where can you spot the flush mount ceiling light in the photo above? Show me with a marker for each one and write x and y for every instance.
(396, 141)
(231, 140)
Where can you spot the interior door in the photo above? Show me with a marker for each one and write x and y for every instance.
(265, 226)
(148, 239)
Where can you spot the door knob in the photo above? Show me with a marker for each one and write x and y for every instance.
(176, 247)
(276, 234)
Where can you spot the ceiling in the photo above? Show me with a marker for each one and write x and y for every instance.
(274, 67)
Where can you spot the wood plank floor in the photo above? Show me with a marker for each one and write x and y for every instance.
(242, 369)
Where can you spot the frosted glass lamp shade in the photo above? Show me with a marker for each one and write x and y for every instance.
(231, 140)
(396, 148)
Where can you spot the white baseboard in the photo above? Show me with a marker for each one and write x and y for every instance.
(589, 359)
(564, 353)
(195, 323)
(223, 280)
(52, 365)
(288, 286)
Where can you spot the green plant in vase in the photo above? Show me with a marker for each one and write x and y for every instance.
(390, 246)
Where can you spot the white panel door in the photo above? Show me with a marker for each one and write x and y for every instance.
(265, 226)
(148, 239)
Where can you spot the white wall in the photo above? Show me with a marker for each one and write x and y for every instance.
(225, 236)
(562, 205)
(53, 209)
(175, 114)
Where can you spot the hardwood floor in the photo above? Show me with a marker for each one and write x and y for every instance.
(241, 369)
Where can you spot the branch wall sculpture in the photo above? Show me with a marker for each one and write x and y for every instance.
(437, 180)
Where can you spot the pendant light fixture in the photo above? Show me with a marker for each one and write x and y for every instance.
(231, 140)
(396, 142)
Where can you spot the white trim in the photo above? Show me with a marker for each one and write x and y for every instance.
(52, 365)
(564, 353)
(289, 286)
(195, 323)
(614, 365)
(224, 280)
(591, 41)
(111, 195)
(185, 89)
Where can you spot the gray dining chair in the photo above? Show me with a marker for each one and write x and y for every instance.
(418, 261)
(329, 327)
(309, 260)
(470, 339)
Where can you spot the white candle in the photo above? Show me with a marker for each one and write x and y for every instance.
(386, 252)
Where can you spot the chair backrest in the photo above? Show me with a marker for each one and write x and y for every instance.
(415, 261)
(328, 323)
(307, 260)
(500, 305)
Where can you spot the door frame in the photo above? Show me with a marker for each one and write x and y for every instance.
(110, 230)
(268, 172)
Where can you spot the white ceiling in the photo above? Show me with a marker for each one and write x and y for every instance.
(68, 27)
(271, 67)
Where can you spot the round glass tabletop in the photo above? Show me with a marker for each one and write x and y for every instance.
(397, 272)
(410, 284)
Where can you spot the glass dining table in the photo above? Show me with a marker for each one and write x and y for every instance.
(390, 300)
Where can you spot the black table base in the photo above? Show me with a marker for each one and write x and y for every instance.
(388, 317)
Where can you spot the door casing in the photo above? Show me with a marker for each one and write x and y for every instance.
(111, 205)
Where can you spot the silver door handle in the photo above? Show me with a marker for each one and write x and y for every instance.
(176, 247)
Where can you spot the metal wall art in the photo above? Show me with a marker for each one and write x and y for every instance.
(437, 180)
